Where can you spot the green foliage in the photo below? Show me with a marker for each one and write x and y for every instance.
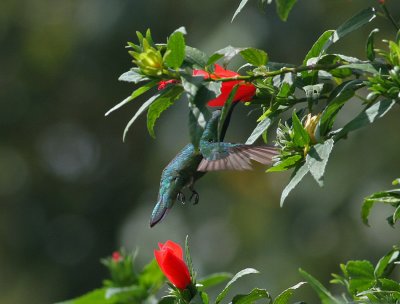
(125, 285)
(388, 197)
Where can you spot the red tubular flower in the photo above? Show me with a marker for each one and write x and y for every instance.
(244, 93)
(170, 260)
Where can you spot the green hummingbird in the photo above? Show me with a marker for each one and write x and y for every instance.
(190, 164)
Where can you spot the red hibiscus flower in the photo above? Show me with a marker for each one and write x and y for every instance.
(244, 93)
(170, 260)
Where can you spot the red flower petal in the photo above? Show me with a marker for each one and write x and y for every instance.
(170, 260)
(244, 93)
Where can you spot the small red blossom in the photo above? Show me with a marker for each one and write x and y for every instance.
(163, 84)
(170, 260)
(244, 93)
(116, 256)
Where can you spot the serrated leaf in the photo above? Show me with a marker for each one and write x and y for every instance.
(283, 7)
(175, 50)
(240, 274)
(300, 137)
(139, 91)
(132, 76)
(297, 176)
(285, 164)
(142, 108)
(360, 275)
(339, 96)
(159, 106)
(239, 9)
(250, 298)
(285, 296)
(254, 56)
(324, 295)
(369, 47)
(317, 158)
(214, 279)
(367, 116)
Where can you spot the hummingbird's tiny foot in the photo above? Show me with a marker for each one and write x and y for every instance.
(181, 198)
(196, 197)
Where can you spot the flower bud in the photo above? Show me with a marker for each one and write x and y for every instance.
(149, 61)
(310, 125)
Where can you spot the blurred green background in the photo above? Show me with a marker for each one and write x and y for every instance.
(71, 192)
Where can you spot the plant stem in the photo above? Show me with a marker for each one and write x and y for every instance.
(390, 17)
(285, 70)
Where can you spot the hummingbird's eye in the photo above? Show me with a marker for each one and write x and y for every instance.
(174, 179)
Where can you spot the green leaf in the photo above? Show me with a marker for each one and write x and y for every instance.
(167, 300)
(286, 163)
(396, 216)
(283, 7)
(255, 295)
(175, 50)
(300, 171)
(142, 108)
(240, 274)
(228, 53)
(214, 279)
(254, 56)
(239, 9)
(318, 48)
(260, 129)
(96, 296)
(367, 116)
(317, 158)
(369, 48)
(365, 210)
(363, 17)
(361, 275)
(324, 295)
(135, 292)
(339, 96)
(386, 264)
(364, 67)
(301, 137)
(132, 76)
(188, 259)
(285, 296)
(139, 91)
(159, 106)
(195, 57)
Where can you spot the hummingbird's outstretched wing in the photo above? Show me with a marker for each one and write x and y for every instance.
(226, 156)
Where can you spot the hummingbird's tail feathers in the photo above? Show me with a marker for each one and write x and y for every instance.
(238, 158)
(159, 212)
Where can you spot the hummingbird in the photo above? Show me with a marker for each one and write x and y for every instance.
(190, 164)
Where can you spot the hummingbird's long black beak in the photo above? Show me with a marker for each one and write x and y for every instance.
(159, 212)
